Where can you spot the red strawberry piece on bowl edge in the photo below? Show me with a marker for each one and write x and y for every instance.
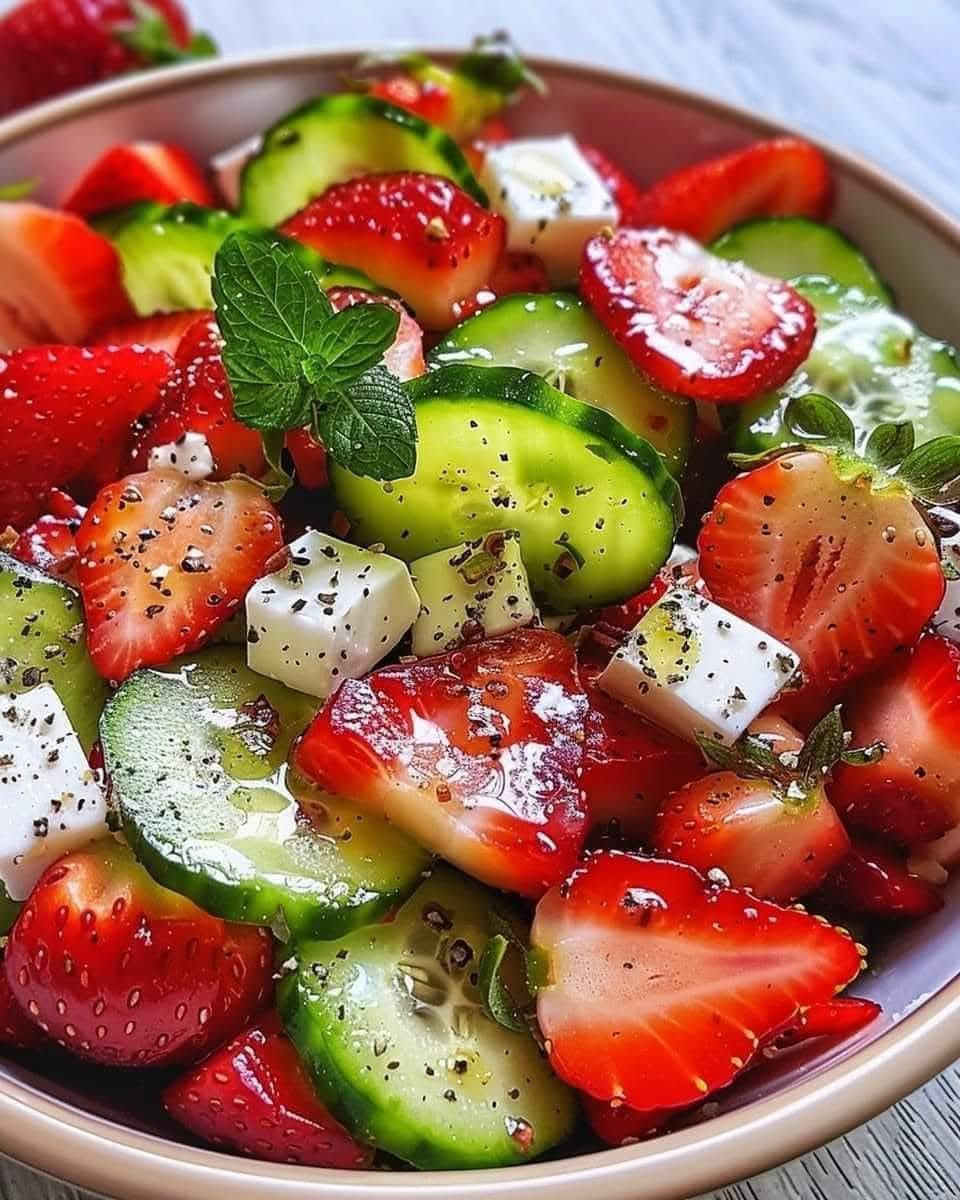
(123, 972)
(253, 1096)
(135, 171)
(873, 881)
(696, 324)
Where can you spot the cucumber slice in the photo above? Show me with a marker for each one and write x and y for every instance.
(9, 910)
(557, 336)
(595, 506)
(389, 1020)
(333, 138)
(786, 247)
(872, 361)
(42, 641)
(197, 757)
(168, 251)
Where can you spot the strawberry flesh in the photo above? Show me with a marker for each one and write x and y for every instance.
(475, 753)
(696, 324)
(122, 972)
(418, 234)
(626, 194)
(162, 331)
(135, 171)
(874, 881)
(656, 988)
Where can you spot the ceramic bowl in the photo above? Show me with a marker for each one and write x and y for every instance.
(102, 1130)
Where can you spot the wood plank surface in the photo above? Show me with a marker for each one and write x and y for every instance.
(876, 76)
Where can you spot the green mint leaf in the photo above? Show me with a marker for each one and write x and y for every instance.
(823, 748)
(494, 62)
(498, 1004)
(268, 305)
(889, 444)
(369, 427)
(278, 480)
(814, 418)
(864, 756)
(19, 190)
(930, 469)
(353, 341)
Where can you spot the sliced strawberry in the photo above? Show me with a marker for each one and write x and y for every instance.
(626, 193)
(405, 356)
(64, 411)
(134, 171)
(492, 132)
(121, 971)
(515, 271)
(17, 1031)
(50, 544)
(163, 331)
(657, 989)
(426, 98)
(629, 766)
(199, 400)
(618, 1125)
(60, 281)
(874, 881)
(253, 1096)
(165, 561)
(838, 1018)
(418, 234)
(778, 843)
(476, 753)
(696, 324)
(806, 548)
(309, 459)
(782, 177)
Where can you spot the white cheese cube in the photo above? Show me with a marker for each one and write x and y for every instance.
(189, 454)
(331, 613)
(695, 669)
(226, 167)
(477, 589)
(50, 799)
(552, 198)
(946, 620)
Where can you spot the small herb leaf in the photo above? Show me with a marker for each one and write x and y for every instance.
(864, 756)
(930, 468)
(151, 39)
(494, 62)
(278, 481)
(354, 340)
(822, 749)
(889, 444)
(817, 419)
(727, 758)
(370, 427)
(498, 1004)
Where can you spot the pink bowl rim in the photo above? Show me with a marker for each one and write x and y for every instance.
(90, 1151)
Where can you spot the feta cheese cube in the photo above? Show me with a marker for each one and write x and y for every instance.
(695, 669)
(50, 799)
(552, 198)
(331, 613)
(189, 454)
(477, 589)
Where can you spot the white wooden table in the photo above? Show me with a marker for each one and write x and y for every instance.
(876, 76)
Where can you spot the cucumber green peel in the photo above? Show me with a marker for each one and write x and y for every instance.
(197, 757)
(499, 447)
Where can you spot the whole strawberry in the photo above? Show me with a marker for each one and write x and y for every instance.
(48, 47)
(121, 971)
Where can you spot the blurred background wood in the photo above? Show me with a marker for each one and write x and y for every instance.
(878, 77)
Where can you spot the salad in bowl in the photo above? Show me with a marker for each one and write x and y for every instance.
(478, 632)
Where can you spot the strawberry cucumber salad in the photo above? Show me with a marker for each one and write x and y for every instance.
(478, 631)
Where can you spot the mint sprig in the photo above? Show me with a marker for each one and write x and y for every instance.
(293, 362)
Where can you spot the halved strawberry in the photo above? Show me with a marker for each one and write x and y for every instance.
(199, 400)
(515, 271)
(629, 766)
(50, 544)
(162, 331)
(64, 411)
(913, 794)
(17, 1031)
(627, 195)
(874, 881)
(838, 1018)
(134, 171)
(618, 1125)
(121, 971)
(427, 98)
(781, 177)
(475, 753)
(696, 324)
(655, 988)
(60, 281)
(254, 1096)
(810, 549)
(164, 561)
(418, 234)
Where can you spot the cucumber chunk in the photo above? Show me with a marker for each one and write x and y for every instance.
(557, 336)
(167, 252)
(197, 757)
(42, 641)
(499, 448)
(390, 1022)
(872, 361)
(786, 247)
(333, 138)
(9, 910)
